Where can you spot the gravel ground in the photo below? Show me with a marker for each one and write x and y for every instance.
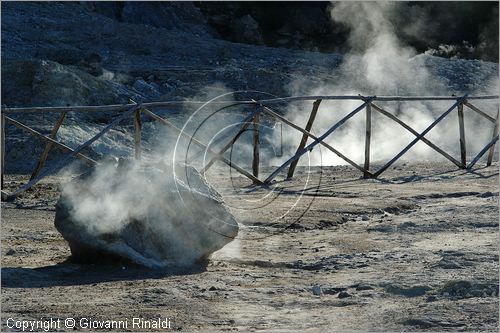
(416, 250)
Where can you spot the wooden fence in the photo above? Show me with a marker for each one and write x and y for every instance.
(368, 103)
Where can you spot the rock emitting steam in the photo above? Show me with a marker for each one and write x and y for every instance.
(145, 214)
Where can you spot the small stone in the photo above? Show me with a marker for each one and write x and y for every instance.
(363, 287)
(431, 298)
(476, 293)
(316, 290)
(364, 218)
(212, 288)
(10, 252)
(343, 294)
(406, 225)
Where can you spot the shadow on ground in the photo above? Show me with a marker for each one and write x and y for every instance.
(68, 274)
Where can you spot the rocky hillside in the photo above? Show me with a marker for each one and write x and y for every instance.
(85, 57)
(71, 53)
(90, 53)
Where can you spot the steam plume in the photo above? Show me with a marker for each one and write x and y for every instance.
(378, 63)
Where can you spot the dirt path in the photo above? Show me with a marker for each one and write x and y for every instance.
(417, 250)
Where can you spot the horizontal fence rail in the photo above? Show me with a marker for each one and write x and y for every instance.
(252, 120)
(152, 105)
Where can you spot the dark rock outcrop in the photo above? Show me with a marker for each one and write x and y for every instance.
(43, 82)
(175, 15)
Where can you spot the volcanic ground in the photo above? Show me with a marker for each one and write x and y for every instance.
(416, 250)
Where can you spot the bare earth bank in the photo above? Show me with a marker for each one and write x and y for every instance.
(415, 250)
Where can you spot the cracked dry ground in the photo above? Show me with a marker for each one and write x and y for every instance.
(416, 250)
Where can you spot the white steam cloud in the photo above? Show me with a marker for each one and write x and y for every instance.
(379, 64)
(144, 213)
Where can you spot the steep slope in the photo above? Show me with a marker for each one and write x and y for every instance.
(72, 54)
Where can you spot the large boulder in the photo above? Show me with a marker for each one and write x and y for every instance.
(144, 214)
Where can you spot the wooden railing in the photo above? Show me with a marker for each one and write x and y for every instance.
(369, 104)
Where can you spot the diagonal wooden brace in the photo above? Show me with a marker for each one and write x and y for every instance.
(48, 145)
(483, 151)
(420, 136)
(270, 112)
(411, 130)
(48, 139)
(318, 140)
(62, 162)
(245, 123)
(198, 143)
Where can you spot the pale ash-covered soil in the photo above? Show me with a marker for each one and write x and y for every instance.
(414, 251)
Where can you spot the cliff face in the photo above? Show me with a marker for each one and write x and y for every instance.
(108, 52)
(147, 62)
(468, 29)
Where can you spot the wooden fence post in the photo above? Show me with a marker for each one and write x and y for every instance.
(461, 126)
(203, 146)
(368, 128)
(246, 123)
(46, 138)
(492, 149)
(137, 134)
(256, 146)
(48, 146)
(65, 159)
(303, 141)
(2, 144)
